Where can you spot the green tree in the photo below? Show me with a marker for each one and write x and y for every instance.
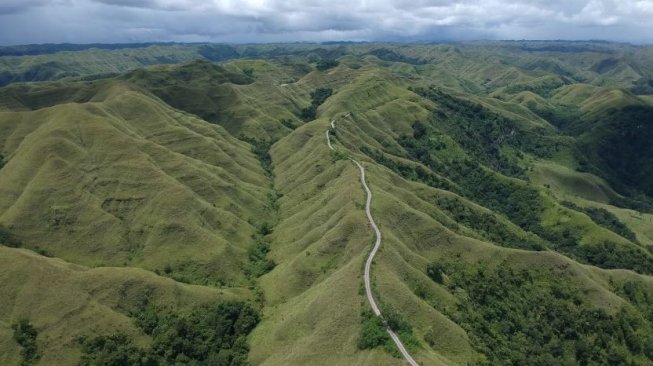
(25, 335)
(324, 65)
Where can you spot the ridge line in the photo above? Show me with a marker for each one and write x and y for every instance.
(370, 258)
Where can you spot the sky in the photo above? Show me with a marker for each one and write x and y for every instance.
(260, 21)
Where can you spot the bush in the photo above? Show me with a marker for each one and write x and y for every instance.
(288, 123)
(209, 335)
(339, 155)
(113, 350)
(604, 218)
(518, 201)
(436, 272)
(318, 96)
(536, 317)
(309, 113)
(486, 224)
(324, 65)
(373, 333)
(25, 335)
(259, 264)
(7, 238)
(261, 148)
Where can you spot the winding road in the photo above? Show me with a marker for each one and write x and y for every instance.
(370, 258)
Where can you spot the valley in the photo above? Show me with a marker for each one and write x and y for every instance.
(491, 199)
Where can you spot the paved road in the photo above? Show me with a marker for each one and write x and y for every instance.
(370, 258)
(329, 141)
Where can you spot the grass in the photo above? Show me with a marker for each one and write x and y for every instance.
(204, 174)
(133, 153)
(104, 295)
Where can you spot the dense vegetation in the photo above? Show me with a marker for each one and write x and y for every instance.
(261, 148)
(210, 335)
(604, 218)
(259, 264)
(636, 294)
(483, 133)
(373, 332)
(486, 224)
(318, 96)
(25, 335)
(7, 238)
(518, 201)
(324, 65)
(535, 317)
(619, 143)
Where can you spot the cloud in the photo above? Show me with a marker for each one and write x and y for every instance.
(26, 21)
(17, 6)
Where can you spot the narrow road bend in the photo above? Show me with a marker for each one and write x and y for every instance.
(370, 258)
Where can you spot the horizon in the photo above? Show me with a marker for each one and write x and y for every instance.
(335, 42)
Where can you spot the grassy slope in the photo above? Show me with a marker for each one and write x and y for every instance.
(412, 229)
(126, 180)
(64, 301)
(90, 62)
(313, 296)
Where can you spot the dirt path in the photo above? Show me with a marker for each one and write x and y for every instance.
(370, 258)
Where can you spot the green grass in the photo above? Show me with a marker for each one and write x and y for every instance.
(203, 173)
(125, 154)
(93, 301)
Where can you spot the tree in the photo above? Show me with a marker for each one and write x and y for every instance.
(435, 271)
(324, 65)
(25, 335)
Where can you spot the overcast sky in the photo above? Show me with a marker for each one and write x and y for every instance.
(110, 21)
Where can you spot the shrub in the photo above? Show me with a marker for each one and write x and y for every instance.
(209, 335)
(7, 238)
(113, 350)
(261, 148)
(339, 155)
(604, 218)
(436, 272)
(536, 317)
(373, 333)
(259, 264)
(25, 335)
(318, 96)
(288, 123)
(324, 65)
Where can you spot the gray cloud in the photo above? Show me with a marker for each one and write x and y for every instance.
(37, 21)
(17, 6)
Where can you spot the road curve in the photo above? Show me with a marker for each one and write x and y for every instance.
(370, 258)
(329, 141)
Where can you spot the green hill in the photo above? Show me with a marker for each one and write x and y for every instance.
(192, 213)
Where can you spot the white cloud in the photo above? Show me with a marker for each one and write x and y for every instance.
(23, 21)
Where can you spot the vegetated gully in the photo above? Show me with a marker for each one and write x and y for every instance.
(375, 249)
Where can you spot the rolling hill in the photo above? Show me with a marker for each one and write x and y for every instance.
(510, 181)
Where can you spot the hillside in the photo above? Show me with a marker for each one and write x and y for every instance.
(511, 185)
